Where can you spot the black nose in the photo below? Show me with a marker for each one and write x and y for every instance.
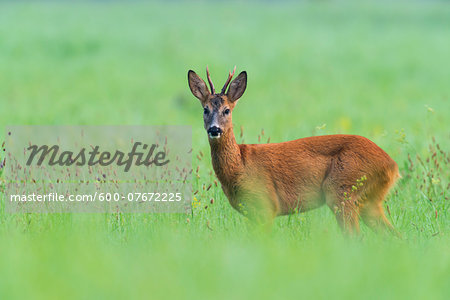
(214, 131)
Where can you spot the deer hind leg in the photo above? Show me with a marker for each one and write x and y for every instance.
(374, 217)
(346, 212)
(372, 212)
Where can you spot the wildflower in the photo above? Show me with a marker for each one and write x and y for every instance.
(431, 110)
(435, 181)
(196, 203)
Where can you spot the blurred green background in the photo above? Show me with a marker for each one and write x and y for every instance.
(381, 70)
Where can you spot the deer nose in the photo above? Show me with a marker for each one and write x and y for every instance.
(214, 131)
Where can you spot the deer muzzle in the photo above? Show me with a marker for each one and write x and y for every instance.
(214, 132)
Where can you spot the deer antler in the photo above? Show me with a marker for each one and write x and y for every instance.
(230, 75)
(211, 85)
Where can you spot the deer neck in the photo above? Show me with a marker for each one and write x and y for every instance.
(226, 157)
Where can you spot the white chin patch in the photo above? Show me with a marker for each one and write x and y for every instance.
(214, 136)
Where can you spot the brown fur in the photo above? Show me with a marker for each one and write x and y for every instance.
(268, 180)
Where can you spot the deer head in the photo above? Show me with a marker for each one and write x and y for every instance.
(217, 107)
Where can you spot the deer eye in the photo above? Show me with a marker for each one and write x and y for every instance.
(206, 111)
(226, 111)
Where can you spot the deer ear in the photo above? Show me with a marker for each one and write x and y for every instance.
(198, 86)
(237, 87)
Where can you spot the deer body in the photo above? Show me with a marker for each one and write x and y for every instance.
(349, 173)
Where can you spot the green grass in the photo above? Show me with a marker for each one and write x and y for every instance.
(378, 70)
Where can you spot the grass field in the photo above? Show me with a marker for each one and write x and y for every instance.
(377, 70)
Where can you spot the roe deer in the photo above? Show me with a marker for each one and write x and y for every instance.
(349, 173)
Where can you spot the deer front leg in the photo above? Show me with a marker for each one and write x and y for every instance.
(259, 207)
